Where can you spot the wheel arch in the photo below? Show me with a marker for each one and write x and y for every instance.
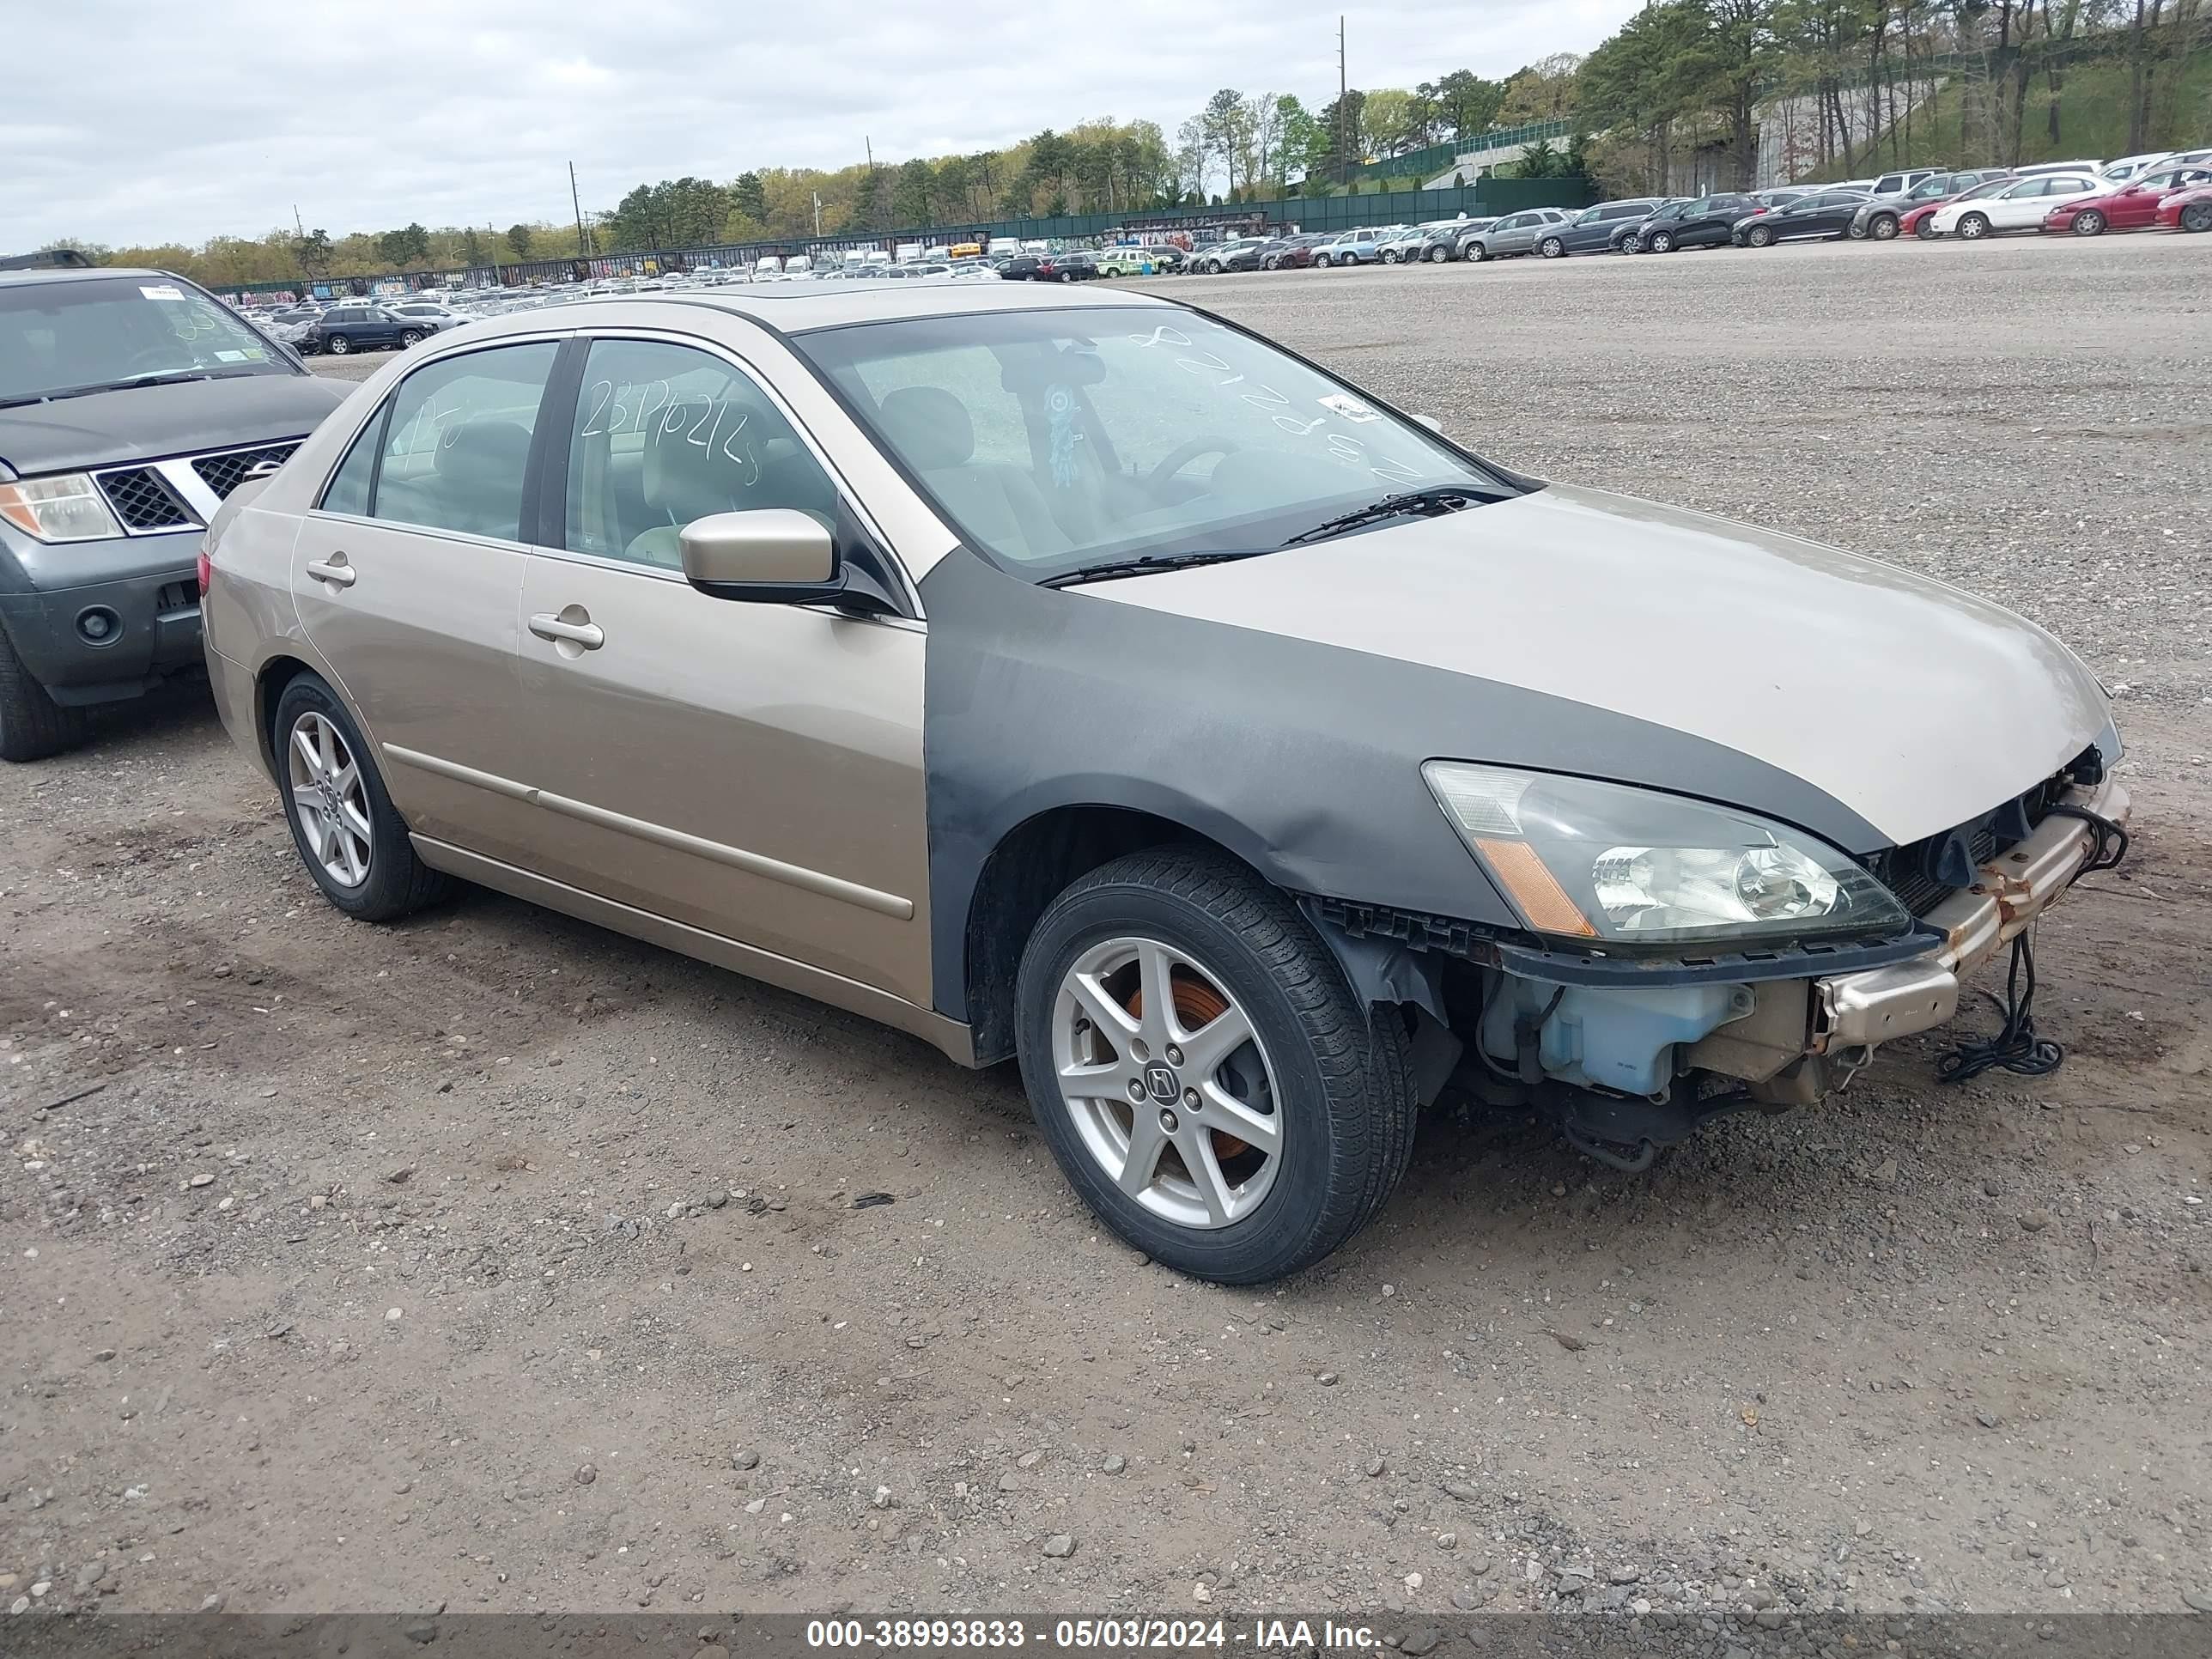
(1035, 859)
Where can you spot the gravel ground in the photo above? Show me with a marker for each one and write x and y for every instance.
(496, 1262)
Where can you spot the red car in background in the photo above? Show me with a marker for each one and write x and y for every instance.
(2187, 209)
(1918, 220)
(2131, 207)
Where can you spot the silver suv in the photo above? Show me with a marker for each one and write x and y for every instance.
(1515, 233)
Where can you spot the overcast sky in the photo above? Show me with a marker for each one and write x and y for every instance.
(126, 123)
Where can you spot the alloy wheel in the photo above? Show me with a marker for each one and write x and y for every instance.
(1551, 247)
(329, 800)
(1163, 1076)
(1973, 227)
(1438, 256)
(339, 345)
(2198, 216)
(1661, 242)
(2091, 223)
(1883, 228)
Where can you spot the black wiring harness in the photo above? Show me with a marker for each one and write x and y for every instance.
(2016, 1047)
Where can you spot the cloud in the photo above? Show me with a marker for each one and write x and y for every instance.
(223, 120)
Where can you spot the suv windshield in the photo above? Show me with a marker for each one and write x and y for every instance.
(93, 334)
(1054, 441)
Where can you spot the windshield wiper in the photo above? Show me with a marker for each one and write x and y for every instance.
(1433, 501)
(152, 377)
(1144, 566)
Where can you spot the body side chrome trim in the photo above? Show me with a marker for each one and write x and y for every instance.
(756, 864)
(949, 1035)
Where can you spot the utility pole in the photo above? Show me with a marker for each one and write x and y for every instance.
(299, 224)
(1343, 150)
(583, 250)
(817, 213)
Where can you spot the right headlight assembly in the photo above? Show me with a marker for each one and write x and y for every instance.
(1584, 859)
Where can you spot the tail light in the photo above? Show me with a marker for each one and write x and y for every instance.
(207, 571)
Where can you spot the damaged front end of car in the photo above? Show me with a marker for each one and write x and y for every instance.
(1680, 960)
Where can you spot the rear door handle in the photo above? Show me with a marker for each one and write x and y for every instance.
(590, 635)
(335, 571)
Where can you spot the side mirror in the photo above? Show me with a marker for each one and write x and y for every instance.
(774, 555)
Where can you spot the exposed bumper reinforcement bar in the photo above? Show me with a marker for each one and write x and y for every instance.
(2012, 889)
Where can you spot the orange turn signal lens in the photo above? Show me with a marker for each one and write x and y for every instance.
(1543, 904)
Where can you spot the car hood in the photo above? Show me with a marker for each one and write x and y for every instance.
(149, 423)
(1914, 703)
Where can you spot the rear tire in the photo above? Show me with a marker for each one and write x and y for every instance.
(338, 345)
(33, 725)
(394, 882)
(1331, 1082)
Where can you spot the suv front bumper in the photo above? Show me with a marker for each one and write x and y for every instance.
(151, 606)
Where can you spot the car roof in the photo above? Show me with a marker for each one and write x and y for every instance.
(82, 274)
(794, 308)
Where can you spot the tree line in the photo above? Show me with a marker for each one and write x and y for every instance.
(1671, 102)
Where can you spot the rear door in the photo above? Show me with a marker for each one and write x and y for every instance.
(407, 577)
(751, 769)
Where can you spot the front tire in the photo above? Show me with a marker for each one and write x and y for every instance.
(2198, 216)
(349, 834)
(1323, 260)
(1478, 254)
(1271, 1116)
(1882, 227)
(1759, 236)
(1973, 227)
(1661, 242)
(1551, 248)
(1925, 230)
(408, 337)
(33, 725)
(2089, 222)
(1438, 255)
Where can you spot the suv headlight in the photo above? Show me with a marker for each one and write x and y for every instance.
(1584, 859)
(68, 507)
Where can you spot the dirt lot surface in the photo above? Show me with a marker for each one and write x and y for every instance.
(496, 1261)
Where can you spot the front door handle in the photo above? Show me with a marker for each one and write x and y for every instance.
(588, 634)
(334, 570)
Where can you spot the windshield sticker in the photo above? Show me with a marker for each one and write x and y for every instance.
(1350, 408)
(161, 290)
(230, 356)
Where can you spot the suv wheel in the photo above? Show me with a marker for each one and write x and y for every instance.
(1206, 1078)
(1438, 255)
(1477, 253)
(1552, 247)
(408, 337)
(352, 840)
(1882, 227)
(33, 725)
(338, 345)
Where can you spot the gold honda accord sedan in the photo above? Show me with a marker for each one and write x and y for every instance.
(1080, 679)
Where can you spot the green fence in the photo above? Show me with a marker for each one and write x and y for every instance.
(1319, 213)
(1420, 164)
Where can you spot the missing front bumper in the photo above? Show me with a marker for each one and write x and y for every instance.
(1881, 1005)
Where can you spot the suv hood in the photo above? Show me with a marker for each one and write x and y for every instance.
(1916, 704)
(150, 423)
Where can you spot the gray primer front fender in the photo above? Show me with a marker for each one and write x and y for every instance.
(1304, 759)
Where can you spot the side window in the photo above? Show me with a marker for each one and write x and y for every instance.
(664, 435)
(459, 438)
(348, 491)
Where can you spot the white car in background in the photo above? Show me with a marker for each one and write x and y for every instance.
(2128, 166)
(2019, 206)
(434, 315)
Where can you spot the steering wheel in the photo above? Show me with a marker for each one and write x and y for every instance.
(1183, 454)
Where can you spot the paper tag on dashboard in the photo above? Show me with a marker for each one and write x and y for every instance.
(161, 290)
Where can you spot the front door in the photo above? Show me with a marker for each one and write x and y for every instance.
(751, 769)
(408, 577)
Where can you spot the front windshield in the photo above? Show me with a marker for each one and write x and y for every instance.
(99, 333)
(1062, 438)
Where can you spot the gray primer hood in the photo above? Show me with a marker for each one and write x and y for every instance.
(1916, 705)
(151, 422)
